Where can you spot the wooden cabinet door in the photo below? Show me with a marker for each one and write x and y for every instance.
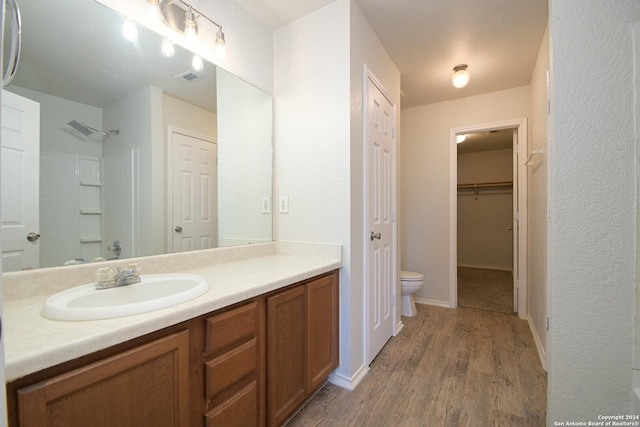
(144, 386)
(322, 330)
(286, 371)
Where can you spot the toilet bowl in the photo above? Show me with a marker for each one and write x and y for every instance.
(410, 282)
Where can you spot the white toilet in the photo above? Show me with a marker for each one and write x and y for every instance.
(411, 282)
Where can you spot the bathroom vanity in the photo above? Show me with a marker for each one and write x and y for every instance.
(241, 354)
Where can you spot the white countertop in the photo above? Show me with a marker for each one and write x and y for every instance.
(33, 342)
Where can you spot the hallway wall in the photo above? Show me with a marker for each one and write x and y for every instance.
(537, 282)
(425, 178)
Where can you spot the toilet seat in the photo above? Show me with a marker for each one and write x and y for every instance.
(410, 276)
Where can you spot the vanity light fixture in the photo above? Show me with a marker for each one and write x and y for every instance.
(154, 10)
(460, 76)
(190, 31)
(183, 18)
(221, 50)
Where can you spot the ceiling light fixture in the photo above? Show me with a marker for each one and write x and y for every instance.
(183, 18)
(460, 138)
(460, 76)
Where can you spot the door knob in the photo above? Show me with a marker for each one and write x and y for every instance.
(178, 229)
(510, 228)
(33, 237)
(375, 235)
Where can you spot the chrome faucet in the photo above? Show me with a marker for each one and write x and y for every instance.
(127, 276)
(123, 277)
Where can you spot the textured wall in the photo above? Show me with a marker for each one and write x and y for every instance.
(593, 208)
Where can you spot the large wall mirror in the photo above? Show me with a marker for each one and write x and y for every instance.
(115, 148)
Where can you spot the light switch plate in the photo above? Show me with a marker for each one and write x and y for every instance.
(266, 205)
(283, 207)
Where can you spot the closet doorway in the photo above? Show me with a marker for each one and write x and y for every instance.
(488, 204)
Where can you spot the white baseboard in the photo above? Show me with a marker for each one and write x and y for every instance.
(398, 328)
(437, 303)
(536, 338)
(349, 383)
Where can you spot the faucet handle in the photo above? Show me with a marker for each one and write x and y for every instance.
(133, 268)
(105, 276)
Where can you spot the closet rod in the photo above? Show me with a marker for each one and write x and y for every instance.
(487, 184)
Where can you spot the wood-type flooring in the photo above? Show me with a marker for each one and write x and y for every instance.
(447, 367)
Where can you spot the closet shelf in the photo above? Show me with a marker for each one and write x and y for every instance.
(476, 186)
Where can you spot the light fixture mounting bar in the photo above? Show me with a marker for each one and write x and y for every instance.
(173, 14)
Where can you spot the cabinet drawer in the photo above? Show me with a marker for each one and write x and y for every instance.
(231, 328)
(239, 410)
(229, 368)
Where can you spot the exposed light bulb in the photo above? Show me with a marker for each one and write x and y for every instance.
(221, 49)
(460, 138)
(190, 26)
(167, 48)
(196, 63)
(460, 76)
(154, 11)
(130, 31)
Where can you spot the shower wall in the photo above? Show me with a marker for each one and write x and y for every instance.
(127, 181)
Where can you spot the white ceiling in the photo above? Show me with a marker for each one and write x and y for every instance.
(498, 39)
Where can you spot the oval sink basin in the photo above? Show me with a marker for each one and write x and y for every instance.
(155, 291)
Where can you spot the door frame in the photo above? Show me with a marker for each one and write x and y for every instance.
(169, 179)
(369, 76)
(523, 142)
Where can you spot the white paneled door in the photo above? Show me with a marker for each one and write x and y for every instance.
(193, 197)
(20, 182)
(380, 207)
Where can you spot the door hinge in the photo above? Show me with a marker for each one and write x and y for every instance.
(393, 299)
(546, 323)
(393, 132)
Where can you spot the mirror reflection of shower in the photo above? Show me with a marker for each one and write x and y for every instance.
(88, 130)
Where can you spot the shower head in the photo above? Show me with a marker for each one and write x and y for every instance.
(88, 130)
